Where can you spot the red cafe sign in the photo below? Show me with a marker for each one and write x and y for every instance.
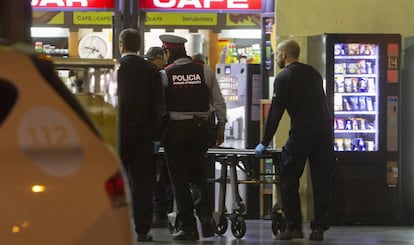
(73, 4)
(201, 5)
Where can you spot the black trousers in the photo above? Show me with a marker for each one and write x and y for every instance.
(186, 145)
(136, 151)
(316, 145)
(163, 199)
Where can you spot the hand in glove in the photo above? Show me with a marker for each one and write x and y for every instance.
(259, 151)
(156, 146)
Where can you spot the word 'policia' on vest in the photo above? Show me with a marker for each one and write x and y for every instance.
(186, 79)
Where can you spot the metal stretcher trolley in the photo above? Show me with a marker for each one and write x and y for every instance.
(231, 160)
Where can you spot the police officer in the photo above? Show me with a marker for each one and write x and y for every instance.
(299, 90)
(140, 115)
(190, 89)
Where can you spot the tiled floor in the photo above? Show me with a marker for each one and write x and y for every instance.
(259, 232)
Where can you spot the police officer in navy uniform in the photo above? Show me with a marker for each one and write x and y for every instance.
(191, 91)
(140, 108)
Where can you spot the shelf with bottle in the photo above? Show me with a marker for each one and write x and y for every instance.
(51, 50)
(355, 50)
(354, 144)
(355, 67)
(353, 104)
(358, 124)
(355, 84)
(235, 54)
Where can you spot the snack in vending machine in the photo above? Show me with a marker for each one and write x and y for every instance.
(355, 84)
(340, 68)
(354, 103)
(352, 68)
(371, 85)
(367, 49)
(339, 84)
(347, 144)
(361, 123)
(355, 125)
(370, 125)
(353, 49)
(362, 67)
(369, 68)
(363, 83)
(362, 103)
(370, 145)
(340, 123)
(348, 85)
(370, 104)
(339, 144)
(339, 49)
(338, 103)
(346, 105)
(358, 144)
(348, 124)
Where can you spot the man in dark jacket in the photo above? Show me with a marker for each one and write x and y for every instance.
(140, 115)
(299, 90)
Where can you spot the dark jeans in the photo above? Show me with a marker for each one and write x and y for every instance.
(186, 146)
(315, 144)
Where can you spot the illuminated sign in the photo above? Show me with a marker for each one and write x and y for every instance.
(181, 19)
(202, 5)
(72, 4)
(92, 18)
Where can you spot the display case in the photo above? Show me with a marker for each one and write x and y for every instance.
(356, 94)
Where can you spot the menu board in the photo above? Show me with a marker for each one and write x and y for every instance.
(356, 94)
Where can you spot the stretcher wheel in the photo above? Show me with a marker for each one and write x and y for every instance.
(238, 227)
(278, 223)
(242, 207)
(221, 227)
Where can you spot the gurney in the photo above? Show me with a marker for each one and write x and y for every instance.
(231, 160)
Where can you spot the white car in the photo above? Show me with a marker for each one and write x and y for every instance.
(59, 183)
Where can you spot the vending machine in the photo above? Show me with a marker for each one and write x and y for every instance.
(362, 82)
(407, 137)
(241, 86)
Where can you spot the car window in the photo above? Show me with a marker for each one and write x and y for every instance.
(46, 69)
(8, 97)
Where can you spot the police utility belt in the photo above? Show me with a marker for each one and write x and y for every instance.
(200, 120)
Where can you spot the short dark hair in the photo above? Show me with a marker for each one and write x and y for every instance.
(176, 53)
(155, 53)
(131, 39)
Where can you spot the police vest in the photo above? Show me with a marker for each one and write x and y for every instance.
(187, 90)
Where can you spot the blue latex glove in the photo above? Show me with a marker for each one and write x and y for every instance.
(156, 145)
(259, 151)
